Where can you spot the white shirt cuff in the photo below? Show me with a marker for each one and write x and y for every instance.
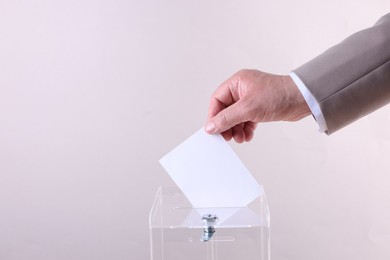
(311, 102)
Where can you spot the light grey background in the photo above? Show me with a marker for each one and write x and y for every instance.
(93, 93)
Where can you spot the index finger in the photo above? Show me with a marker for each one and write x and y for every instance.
(221, 98)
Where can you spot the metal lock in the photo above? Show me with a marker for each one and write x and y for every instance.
(209, 221)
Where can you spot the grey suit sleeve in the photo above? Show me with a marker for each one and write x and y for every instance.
(351, 79)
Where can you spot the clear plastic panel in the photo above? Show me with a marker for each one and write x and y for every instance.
(176, 230)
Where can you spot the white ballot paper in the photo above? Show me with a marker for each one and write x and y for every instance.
(209, 173)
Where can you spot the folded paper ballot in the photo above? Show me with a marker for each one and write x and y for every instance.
(210, 174)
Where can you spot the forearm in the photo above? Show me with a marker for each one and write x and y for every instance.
(352, 78)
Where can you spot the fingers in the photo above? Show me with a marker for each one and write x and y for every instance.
(249, 129)
(222, 97)
(232, 122)
(243, 132)
(227, 118)
(239, 133)
(229, 122)
(228, 112)
(228, 134)
(215, 107)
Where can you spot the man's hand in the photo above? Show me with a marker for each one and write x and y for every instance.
(252, 96)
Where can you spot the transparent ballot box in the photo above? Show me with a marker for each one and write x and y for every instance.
(178, 231)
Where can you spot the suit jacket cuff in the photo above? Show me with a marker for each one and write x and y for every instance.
(311, 102)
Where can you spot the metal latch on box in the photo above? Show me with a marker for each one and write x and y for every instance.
(209, 221)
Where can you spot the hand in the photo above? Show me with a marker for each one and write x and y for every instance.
(252, 96)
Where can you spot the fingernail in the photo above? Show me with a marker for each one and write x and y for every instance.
(210, 127)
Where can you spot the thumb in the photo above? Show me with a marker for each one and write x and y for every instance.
(226, 119)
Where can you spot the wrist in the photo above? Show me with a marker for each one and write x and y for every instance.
(297, 107)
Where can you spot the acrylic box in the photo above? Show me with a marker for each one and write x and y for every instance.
(178, 231)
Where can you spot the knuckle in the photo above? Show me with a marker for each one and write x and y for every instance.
(225, 119)
(221, 121)
(243, 72)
